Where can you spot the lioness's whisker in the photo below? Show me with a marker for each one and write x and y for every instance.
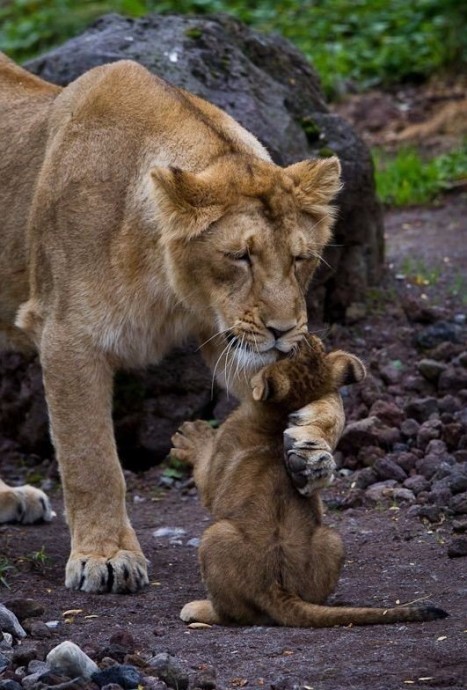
(227, 347)
(216, 335)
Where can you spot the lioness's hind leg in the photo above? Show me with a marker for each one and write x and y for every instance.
(24, 504)
(192, 440)
(200, 611)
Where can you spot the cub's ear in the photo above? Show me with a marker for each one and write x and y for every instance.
(317, 182)
(187, 203)
(345, 368)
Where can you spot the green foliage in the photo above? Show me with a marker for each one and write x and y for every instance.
(5, 566)
(366, 42)
(406, 178)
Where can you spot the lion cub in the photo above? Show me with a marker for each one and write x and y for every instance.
(267, 559)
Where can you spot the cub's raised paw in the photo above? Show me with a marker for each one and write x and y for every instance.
(200, 611)
(190, 440)
(24, 504)
(310, 466)
(124, 573)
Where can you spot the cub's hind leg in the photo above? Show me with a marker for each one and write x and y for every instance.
(326, 558)
(199, 611)
(24, 504)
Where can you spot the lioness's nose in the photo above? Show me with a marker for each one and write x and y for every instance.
(280, 329)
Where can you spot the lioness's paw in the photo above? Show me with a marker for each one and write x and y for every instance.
(310, 466)
(24, 504)
(190, 440)
(125, 573)
(200, 611)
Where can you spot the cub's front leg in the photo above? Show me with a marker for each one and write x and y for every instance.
(105, 554)
(309, 442)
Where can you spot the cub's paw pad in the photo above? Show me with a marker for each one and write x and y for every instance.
(310, 467)
(190, 439)
(124, 573)
(25, 504)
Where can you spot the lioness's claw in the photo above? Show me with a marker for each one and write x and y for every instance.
(124, 573)
(309, 465)
(25, 504)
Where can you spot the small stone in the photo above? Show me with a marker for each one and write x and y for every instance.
(421, 409)
(391, 373)
(388, 469)
(126, 676)
(205, 678)
(194, 542)
(440, 494)
(380, 491)
(458, 480)
(169, 669)
(458, 547)
(409, 428)
(367, 455)
(388, 412)
(67, 658)
(25, 608)
(28, 651)
(431, 513)
(403, 495)
(124, 639)
(405, 460)
(429, 431)
(417, 483)
(4, 662)
(459, 525)
(9, 684)
(458, 504)
(37, 629)
(365, 478)
(452, 379)
(431, 369)
(438, 333)
(449, 404)
(9, 623)
(36, 666)
(153, 683)
(170, 532)
(7, 640)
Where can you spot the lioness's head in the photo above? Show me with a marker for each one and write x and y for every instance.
(242, 240)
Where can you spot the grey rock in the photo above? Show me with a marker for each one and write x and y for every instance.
(37, 666)
(169, 669)
(403, 495)
(428, 466)
(368, 431)
(431, 369)
(28, 650)
(271, 89)
(458, 504)
(388, 469)
(405, 460)
(449, 403)
(388, 412)
(429, 431)
(67, 658)
(367, 455)
(452, 379)
(417, 483)
(24, 608)
(437, 333)
(37, 629)
(204, 679)
(458, 480)
(9, 623)
(120, 674)
(125, 640)
(458, 547)
(153, 683)
(381, 491)
(9, 685)
(421, 409)
(4, 662)
(365, 478)
(432, 513)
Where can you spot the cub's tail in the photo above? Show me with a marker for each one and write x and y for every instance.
(289, 610)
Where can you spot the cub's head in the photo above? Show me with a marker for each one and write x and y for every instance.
(311, 374)
(242, 240)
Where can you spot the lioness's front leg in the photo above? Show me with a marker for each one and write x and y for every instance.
(24, 504)
(105, 554)
(309, 441)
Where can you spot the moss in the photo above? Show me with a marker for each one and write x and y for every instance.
(311, 129)
(194, 32)
(326, 152)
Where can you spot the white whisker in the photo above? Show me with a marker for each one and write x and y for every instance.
(227, 347)
(216, 335)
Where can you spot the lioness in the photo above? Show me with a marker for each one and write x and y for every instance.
(267, 558)
(134, 215)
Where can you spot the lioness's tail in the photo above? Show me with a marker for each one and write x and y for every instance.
(289, 610)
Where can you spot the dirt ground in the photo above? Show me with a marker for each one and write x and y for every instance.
(392, 556)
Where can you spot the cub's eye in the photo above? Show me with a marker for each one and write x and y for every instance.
(300, 259)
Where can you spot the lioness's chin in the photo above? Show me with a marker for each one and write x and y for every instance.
(251, 361)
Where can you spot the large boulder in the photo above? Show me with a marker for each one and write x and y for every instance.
(268, 86)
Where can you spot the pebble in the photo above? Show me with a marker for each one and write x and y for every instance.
(458, 504)
(436, 334)
(4, 662)
(458, 547)
(69, 659)
(168, 532)
(431, 369)
(386, 468)
(9, 685)
(9, 623)
(169, 669)
(24, 608)
(120, 674)
(421, 409)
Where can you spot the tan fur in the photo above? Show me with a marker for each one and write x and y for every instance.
(134, 215)
(267, 558)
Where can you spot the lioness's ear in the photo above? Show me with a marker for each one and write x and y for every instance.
(346, 368)
(317, 181)
(186, 201)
